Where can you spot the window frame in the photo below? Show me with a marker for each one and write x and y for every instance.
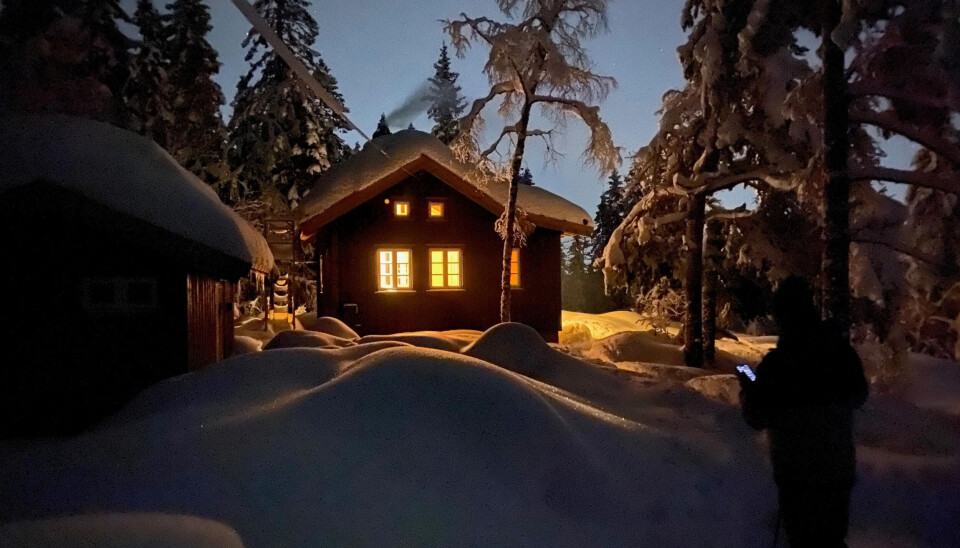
(395, 272)
(396, 203)
(121, 289)
(443, 209)
(446, 273)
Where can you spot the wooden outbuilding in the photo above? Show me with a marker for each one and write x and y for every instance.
(406, 242)
(120, 270)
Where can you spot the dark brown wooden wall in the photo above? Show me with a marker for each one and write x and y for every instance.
(65, 363)
(349, 269)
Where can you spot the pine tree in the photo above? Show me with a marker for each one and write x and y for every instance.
(609, 215)
(573, 281)
(196, 135)
(382, 127)
(526, 178)
(281, 136)
(65, 56)
(146, 92)
(446, 102)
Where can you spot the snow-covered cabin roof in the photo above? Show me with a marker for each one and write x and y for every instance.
(361, 177)
(126, 173)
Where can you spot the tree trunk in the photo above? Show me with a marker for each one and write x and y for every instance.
(511, 210)
(836, 226)
(712, 258)
(693, 320)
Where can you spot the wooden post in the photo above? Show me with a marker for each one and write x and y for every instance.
(693, 319)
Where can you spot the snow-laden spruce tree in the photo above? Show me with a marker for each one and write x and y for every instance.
(65, 56)
(146, 92)
(901, 80)
(196, 135)
(609, 215)
(536, 60)
(714, 134)
(446, 101)
(382, 127)
(281, 136)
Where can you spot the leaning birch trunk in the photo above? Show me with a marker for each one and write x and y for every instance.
(836, 226)
(511, 212)
(693, 320)
(712, 257)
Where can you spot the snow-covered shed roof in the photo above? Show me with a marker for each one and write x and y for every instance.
(126, 173)
(370, 172)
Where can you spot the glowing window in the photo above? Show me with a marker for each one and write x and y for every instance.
(436, 210)
(446, 268)
(401, 209)
(394, 271)
(515, 268)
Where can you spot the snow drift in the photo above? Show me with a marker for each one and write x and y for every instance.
(387, 447)
(510, 443)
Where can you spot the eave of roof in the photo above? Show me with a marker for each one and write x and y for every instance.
(314, 217)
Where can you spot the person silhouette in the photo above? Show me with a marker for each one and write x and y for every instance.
(804, 395)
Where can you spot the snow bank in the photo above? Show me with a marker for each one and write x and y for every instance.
(933, 383)
(127, 173)
(120, 531)
(243, 344)
(329, 325)
(384, 444)
(724, 388)
(400, 447)
(349, 180)
(306, 339)
(424, 339)
(626, 337)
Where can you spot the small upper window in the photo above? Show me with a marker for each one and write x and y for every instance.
(401, 209)
(515, 268)
(436, 210)
(445, 268)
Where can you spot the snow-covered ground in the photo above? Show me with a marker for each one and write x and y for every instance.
(461, 439)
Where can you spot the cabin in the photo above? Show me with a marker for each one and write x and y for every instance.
(405, 241)
(120, 269)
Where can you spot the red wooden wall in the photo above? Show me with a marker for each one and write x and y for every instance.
(349, 265)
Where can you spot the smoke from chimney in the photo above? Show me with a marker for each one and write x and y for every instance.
(414, 105)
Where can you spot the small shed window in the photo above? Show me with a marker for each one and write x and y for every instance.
(401, 209)
(394, 270)
(119, 295)
(446, 268)
(515, 268)
(436, 210)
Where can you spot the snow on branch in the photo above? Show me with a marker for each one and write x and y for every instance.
(512, 130)
(944, 182)
(889, 121)
(863, 88)
(501, 88)
(908, 251)
(601, 151)
(710, 183)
